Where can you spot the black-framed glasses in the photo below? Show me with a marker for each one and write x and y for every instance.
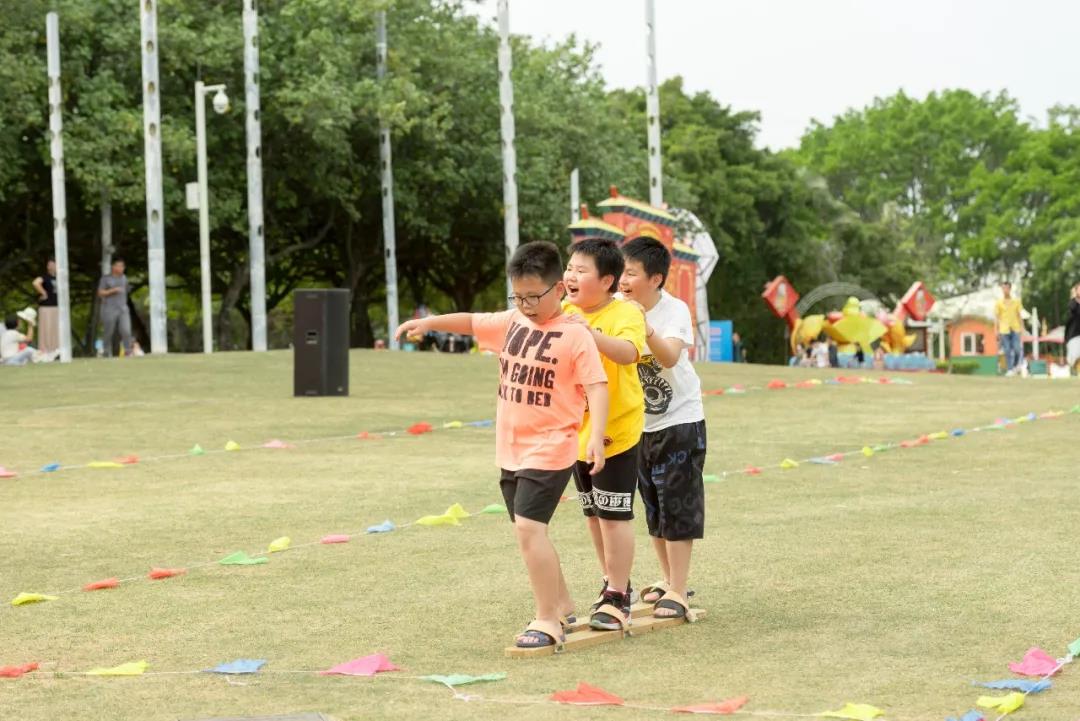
(530, 301)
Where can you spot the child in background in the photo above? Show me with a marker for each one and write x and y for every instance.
(607, 497)
(548, 366)
(671, 459)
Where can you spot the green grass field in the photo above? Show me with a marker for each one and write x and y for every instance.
(893, 580)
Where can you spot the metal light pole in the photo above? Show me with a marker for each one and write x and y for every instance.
(506, 128)
(652, 110)
(221, 105)
(256, 240)
(155, 209)
(389, 235)
(575, 196)
(56, 150)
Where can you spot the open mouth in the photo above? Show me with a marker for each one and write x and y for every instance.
(571, 290)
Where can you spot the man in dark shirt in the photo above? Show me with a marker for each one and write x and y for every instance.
(113, 291)
(1072, 330)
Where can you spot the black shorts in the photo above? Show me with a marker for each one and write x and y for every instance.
(533, 494)
(609, 494)
(670, 481)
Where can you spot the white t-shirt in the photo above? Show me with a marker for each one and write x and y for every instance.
(672, 395)
(9, 343)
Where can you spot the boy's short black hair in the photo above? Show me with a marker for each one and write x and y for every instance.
(11, 321)
(606, 255)
(653, 255)
(539, 258)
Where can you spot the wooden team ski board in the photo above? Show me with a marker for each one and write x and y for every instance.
(581, 636)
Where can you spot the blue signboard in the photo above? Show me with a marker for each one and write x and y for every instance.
(720, 341)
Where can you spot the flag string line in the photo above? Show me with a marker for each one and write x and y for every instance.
(732, 390)
(999, 424)
(363, 435)
(56, 674)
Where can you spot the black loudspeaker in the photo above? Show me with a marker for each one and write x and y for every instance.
(321, 342)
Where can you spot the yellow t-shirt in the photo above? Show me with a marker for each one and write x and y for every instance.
(626, 409)
(1008, 315)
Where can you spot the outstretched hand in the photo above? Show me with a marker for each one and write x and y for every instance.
(413, 329)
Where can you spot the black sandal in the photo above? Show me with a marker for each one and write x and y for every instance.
(540, 634)
(613, 614)
(672, 601)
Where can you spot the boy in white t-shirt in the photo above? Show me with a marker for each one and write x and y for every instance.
(671, 458)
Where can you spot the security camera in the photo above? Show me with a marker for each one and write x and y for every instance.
(221, 102)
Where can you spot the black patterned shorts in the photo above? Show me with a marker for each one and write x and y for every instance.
(670, 466)
(610, 493)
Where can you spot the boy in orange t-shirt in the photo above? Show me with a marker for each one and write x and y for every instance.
(548, 366)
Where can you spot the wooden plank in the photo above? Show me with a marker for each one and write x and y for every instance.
(587, 637)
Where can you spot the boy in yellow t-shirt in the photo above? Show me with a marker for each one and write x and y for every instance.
(607, 497)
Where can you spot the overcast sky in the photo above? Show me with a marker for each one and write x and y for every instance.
(797, 60)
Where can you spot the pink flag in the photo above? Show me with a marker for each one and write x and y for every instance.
(99, 585)
(5, 473)
(277, 444)
(1036, 663)
(335, 538)
(727, 706)
(366, 666)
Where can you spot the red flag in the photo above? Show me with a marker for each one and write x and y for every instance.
(728, 706)
(835, 458)
(16, 671)
(586, 695)
(99, 585)
(753, 471)
(159, 573)
(417, 429)
(847, 379)
(776, 384)
(128, 460)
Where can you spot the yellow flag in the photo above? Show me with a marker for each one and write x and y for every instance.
(867, 451)
(788, 463)
(1002, 704)
(24, 598)
(854, 711)
(279, 544)
(232, 446)
(457, 511)
(104, 464)
(453, 424)
(132, 668)
(443, 520)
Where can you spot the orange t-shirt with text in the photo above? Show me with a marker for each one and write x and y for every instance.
(543, 371)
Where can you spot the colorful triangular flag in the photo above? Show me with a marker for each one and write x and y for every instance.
(586, 695)
(24, 598)
(241, 558)
(855, 712)
(460, 679)
(239, 666)
(132, 668)
(366, 666)
(279, 544)
(1002, 704)
(728, 706)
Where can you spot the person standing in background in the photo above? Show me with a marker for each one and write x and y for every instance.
(113, 291)
(1072, 330)
(48, 312)
(1008, 311)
